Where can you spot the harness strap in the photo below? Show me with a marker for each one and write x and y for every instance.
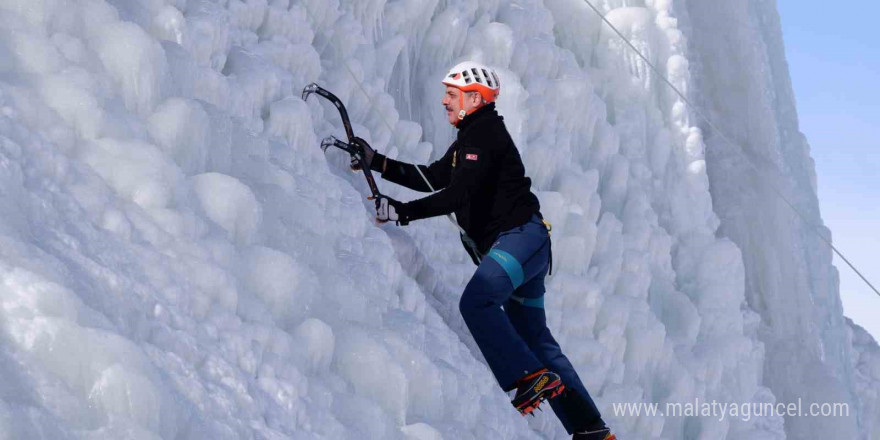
(515, 272)
(510, 265)
(537, 303)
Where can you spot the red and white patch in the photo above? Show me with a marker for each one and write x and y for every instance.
(470, 157)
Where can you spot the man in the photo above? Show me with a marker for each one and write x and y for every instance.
(482, 180)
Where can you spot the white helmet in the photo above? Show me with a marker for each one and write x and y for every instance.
(474, 77)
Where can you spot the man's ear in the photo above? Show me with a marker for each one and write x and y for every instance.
(476, 99)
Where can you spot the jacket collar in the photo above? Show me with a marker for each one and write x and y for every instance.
(483, 112)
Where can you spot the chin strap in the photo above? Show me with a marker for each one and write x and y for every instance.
(462, 113)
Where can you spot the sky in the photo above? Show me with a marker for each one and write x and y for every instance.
(833, 54)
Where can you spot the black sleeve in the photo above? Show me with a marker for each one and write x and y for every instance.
(474, 163)
(405, 174)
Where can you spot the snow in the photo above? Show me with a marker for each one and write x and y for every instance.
(179, 260)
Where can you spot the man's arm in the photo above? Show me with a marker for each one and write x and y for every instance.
(474, 163)
(407, 175)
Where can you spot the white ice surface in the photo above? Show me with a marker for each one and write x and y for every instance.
(179, 260)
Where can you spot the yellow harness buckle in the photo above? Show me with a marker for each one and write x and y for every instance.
(548, 226)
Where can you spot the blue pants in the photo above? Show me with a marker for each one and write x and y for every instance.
(503, 307)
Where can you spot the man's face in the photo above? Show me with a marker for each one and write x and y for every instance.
(453, 105)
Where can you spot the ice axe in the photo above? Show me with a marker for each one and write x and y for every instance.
(351, 147)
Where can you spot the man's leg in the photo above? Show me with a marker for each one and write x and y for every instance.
(507, 267)
(574, 407)
(507, 354)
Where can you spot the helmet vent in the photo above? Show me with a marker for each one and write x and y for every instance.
(477, 77)
(488, 77)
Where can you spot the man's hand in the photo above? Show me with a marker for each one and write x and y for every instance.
(369, 152)
(388, 209)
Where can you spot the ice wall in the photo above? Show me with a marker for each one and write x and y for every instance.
(739, 60)
(180, 261)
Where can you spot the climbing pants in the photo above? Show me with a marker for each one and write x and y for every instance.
(503, 307)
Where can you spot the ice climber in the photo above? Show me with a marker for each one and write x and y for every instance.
(482, 180)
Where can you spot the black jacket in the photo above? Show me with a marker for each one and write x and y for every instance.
(481, 176)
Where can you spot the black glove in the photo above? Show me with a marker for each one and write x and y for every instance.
(388, 209)
(369, 152)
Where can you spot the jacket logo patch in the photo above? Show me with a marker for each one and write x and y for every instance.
(470, 157)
